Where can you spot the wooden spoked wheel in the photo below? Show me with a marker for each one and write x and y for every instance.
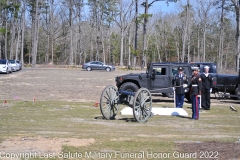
(142, 105)
(109, 102)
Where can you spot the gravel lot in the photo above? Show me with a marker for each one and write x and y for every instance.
(57, 84)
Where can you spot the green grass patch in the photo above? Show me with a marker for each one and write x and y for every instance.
(83, 121)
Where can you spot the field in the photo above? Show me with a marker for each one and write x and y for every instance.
(49, 113)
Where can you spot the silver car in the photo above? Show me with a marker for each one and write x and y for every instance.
(19, 64)
(96, 65)
(15, 65)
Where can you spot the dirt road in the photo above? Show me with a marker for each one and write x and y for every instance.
(56, 84)
(65, 84)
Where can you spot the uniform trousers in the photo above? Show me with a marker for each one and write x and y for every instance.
(179, 100)
(205, 98)
(195, 106)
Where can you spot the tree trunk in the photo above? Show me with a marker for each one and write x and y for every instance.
(198, 45)
(23, 30)
(204, 42)
(144, 35)
(129, 46)
(12, 38)
(34, 33)
(6, 42)
(158, 49)
(71, 35)
(17, 43)
(103, 44)
(188, 49)
(91, 44)
(237, 10)
(121, 54)
(136, 33)
(221, 38)
(185, 31)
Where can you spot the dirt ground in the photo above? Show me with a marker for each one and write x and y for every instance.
(78, 85)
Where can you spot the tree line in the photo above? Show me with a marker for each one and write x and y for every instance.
(120, 32)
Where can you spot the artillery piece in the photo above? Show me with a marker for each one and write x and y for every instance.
(140, 102)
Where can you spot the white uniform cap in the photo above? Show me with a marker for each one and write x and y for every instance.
(206, 67)
(195, 68)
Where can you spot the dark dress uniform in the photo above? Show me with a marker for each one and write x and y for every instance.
(179, 80)
(207, 83)
(195, 90)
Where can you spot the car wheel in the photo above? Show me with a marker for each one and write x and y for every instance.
(236, 93)
(89, 68)
(108, 69)
(129, 86)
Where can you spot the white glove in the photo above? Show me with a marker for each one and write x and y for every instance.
(184, 85)
(210, 90)
(173, 88)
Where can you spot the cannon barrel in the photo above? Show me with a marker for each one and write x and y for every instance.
(121, 92)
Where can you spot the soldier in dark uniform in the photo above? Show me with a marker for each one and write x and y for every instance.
(180, 82)
(195, 90)
(207, 83)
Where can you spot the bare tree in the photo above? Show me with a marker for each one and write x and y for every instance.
(236, 4)
(123, 22)
(185, 31)
(34, 31)
(203, 13)
(23, 12)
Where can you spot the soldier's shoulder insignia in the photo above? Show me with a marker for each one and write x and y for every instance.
(199, 79)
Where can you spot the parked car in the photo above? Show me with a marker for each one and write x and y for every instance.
(19, 64)
(15, 66)
(5, 66)
(96, 65)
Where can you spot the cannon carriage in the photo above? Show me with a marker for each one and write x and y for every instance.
(140, 102)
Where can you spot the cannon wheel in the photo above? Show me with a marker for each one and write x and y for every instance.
(142, 105)
(109, 102)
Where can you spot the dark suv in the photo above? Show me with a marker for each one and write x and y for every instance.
(158, 78)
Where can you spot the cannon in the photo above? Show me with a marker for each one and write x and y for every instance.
(140, 102)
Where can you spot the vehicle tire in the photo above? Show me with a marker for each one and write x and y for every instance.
(108, 69)
(236, 93)
(89, 68)
(129, 86)
(169, 95)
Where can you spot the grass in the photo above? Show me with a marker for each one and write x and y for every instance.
(81, 120)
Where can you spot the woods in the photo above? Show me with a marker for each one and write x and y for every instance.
(120, 32)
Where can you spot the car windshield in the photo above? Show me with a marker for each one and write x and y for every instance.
(12, 61)
(2, 61)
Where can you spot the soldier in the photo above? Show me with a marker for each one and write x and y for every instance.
(195, 90)
(180, 83)
(207, 83)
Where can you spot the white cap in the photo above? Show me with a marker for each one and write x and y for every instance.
(195, 68)
(206, 67)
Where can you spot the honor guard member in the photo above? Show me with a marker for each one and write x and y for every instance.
(207, 84)
(195, 90)
(180, 83)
